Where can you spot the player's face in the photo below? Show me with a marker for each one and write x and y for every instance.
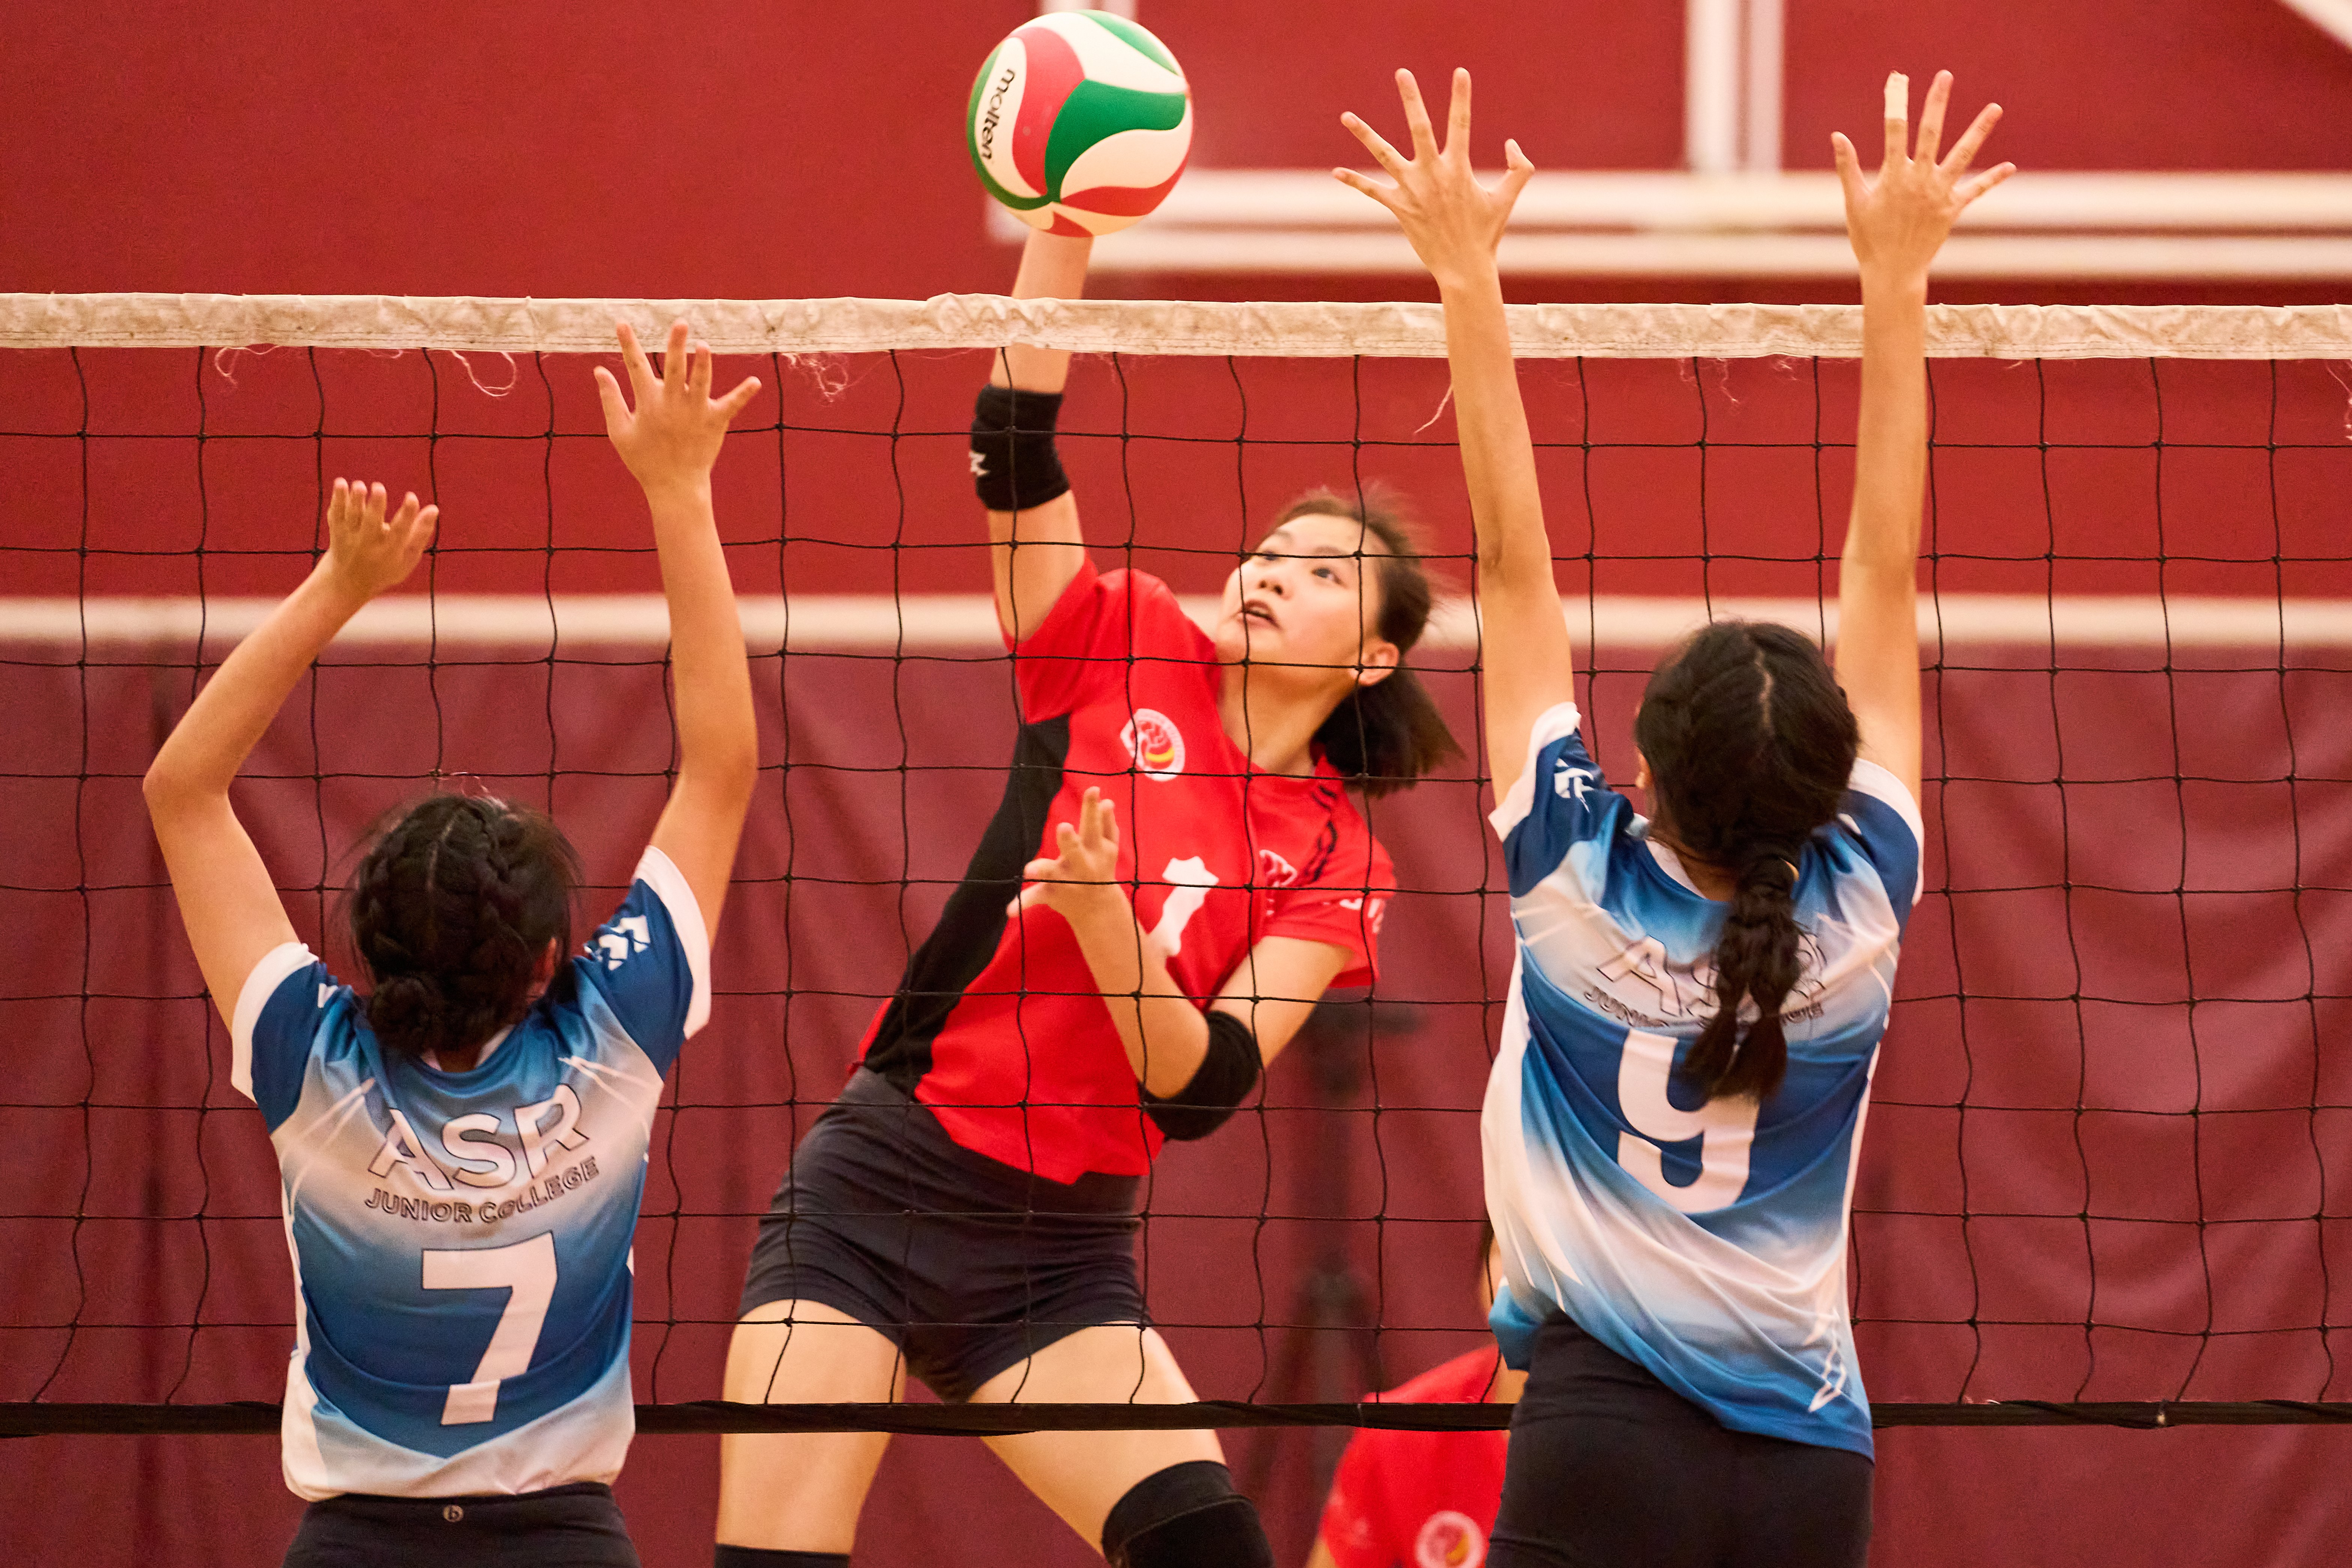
(1309, 598)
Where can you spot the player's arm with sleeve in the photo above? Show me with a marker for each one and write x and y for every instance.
(228, 901)
(1454, 224)
(1195, 1065)
(669, 431)
(1036, 545)
(1897, 224)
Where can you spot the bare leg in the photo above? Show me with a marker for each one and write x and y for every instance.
(795, 1492)
(1081, 1475)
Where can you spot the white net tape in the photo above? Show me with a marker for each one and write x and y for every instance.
(530, 626)
(1300, 330)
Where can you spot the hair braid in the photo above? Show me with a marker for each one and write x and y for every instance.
(451, 912)
(1750, 743)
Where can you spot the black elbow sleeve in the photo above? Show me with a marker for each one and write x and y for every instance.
(1013, 464)
(1218, 1085)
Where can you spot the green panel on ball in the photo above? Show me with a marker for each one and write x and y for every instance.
(1094, 112)
(1140, 41)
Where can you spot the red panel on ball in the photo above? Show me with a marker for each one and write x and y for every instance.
(1054, 72)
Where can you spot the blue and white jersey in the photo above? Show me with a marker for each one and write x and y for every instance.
(461, 1239)
(1705, 1242)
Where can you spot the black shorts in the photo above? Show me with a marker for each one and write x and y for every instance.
(576, 1526)
(967, 1265)
(1608, 1465)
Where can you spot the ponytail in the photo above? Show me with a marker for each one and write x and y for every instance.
(1760, 957)
(1385, 736)
(1750, 741)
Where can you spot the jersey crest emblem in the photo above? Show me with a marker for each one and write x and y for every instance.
(1449, 1540)
(1154, 745)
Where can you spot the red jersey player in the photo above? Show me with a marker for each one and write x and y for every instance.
(1176, 871)
(1424, 1500)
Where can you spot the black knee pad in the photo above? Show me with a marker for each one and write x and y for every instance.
(725, 1556)
(1186, 1516)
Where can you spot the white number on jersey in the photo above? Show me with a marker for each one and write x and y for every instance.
(527, 1268)
(1193, 879)
(1725, 1129)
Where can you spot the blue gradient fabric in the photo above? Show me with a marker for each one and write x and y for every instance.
(461, 1239)
(1705, 1241)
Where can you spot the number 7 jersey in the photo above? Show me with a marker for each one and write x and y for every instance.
(1705, 1242)
(461, 1239)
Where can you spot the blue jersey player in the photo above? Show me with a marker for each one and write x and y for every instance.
(462, 1147)
(1675, 1112)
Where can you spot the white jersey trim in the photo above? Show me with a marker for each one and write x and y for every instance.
(1881, 784)
(659, 872)
(268, 975)
(1558, 720)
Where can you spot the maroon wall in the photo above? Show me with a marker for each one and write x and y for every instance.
(2078, 1183)
(728, 148)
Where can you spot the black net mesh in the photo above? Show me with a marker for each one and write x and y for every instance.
(2109, 1150)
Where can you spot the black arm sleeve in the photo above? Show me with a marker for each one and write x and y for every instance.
(1013, 464)
(1218, 1085)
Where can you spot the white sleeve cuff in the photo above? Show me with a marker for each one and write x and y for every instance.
(1869, 778)
(1558, 720)
(659, 872)
(259, 986)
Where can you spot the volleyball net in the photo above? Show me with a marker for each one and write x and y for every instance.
(2107, 1171)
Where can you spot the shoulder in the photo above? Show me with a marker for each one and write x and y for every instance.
(650, 962)
(1558, 769)
(1160, 618)
(284, 1007)
(1873, 784)
(1882, 819)
(1559, 805)
(1101, 620)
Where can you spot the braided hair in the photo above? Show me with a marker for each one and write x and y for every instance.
(1384, 737)
(1749, 741)
(452, 912)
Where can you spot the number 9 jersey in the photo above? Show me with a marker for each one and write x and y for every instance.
(461, 1239)
(1706, 1243)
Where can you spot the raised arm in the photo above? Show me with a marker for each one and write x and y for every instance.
(1036, 548)
(228, 901)
(670, 441)
(1454, 224)
(1168, 1039)
(1897, 224)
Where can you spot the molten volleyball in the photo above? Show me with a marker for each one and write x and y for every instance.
(1079, 122)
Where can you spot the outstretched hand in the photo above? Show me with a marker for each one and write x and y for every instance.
(368, 553)
(673, 435)
(1453, 221)
(1899, 221)
(1083, 871)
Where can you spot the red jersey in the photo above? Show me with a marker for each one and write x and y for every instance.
(999, 1025)
(1421, 1499)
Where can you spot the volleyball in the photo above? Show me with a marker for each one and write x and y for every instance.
(1079, 122)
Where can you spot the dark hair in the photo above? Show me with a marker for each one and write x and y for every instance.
(1749, 741)
(1384, 736)
(452, 911)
